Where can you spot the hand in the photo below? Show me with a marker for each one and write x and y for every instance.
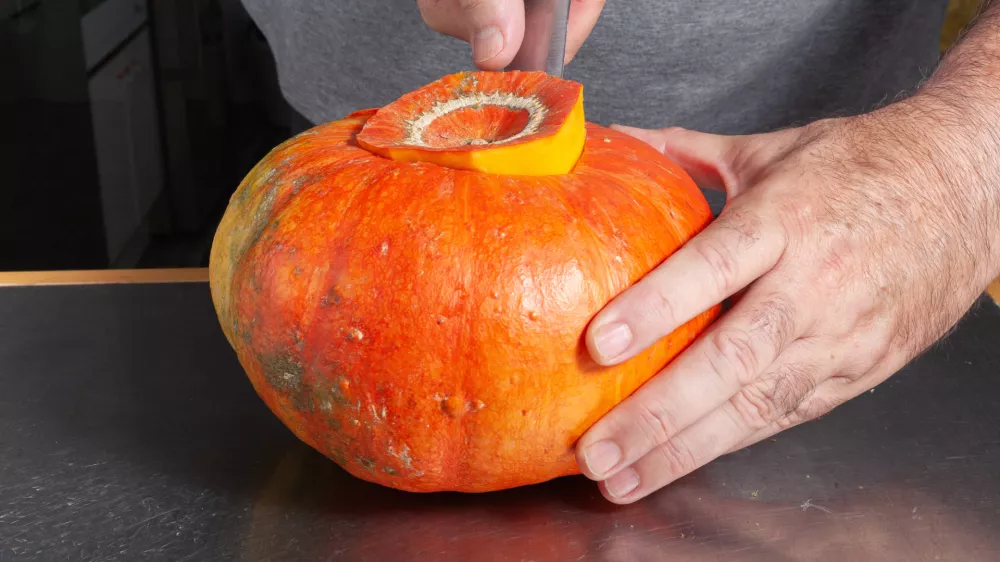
(850, 245)
(495, 28)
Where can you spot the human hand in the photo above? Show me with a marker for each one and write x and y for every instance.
(849, 246)
(495, 28)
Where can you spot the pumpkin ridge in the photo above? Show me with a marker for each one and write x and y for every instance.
(336, 237)
(315, 375)
(465, 342)
(257, 192)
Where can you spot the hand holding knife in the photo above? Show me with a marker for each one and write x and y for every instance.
(544, 45)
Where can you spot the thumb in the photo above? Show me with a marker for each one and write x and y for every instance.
(583, 16)
(708, 159)
(493, 28)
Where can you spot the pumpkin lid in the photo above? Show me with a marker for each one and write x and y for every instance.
(512, 123)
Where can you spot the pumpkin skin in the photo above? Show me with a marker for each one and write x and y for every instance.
(422, 326)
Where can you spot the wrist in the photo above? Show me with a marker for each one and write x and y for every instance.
(958, 112)
(963, 148)
(944, 157)
(963, 96)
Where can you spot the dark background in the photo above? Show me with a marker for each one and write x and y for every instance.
(126, 124)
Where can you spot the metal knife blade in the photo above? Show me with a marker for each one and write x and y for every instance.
(544, 45)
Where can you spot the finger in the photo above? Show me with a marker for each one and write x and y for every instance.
(771, 430)
(771, 398)
(852, 366)
(583, 16)
(724, 360)
(494, 28)
(738, 247)
(869, 364)
(706, 158)
(727, 163)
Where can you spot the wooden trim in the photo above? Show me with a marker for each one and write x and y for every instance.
(103, 276)
(179, 275)
(994, 290)
(959, 15)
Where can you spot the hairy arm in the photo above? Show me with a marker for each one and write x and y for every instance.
(961, 101)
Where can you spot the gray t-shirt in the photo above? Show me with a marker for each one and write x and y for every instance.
(726, 66)
(722, 66)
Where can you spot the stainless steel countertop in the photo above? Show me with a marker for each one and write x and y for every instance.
(129, 432)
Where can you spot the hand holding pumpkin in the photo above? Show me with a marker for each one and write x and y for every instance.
(849, 245)
(495, 28)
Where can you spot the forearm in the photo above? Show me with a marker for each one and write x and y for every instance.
(975, 58)
(957, 110)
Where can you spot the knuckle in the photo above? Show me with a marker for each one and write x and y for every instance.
(787, 422)
(655, 305)
(756, 407)
(655, 421)
(880, 350)
(870, 356)
(744, 223)
(800, 216)
(864, 351)
(814, 408)
(731, 355)
(677, 457)
(774, 320)
(836, 264)
(793, 383)
(723, 267)
(864, 317)
(776, 399)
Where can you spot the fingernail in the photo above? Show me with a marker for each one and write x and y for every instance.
(622, 483)
(612, 340)
(486, 44)
(602, 457)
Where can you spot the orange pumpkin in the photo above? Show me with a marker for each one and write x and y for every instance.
(407, 288)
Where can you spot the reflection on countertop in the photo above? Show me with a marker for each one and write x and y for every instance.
(130, 432)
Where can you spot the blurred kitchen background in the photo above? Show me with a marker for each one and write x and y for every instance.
(124, 127)
(126, 124)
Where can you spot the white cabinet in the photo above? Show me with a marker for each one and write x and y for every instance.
(126, 135)
(107, 25)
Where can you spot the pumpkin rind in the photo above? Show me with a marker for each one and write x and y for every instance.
(421, 325)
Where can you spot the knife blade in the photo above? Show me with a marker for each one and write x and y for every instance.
(544, 44)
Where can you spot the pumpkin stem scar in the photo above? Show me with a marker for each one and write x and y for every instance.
(504, 101)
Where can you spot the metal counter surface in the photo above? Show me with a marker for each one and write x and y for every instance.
(128, 431)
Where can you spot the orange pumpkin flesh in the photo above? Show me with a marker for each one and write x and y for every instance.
(513, 123)
(422, 324)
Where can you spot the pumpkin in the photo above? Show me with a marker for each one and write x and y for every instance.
(407, 288)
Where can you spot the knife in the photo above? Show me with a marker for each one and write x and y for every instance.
(544, 44)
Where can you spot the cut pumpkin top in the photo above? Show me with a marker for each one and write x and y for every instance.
(510, 123)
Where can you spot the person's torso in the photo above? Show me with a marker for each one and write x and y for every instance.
(728, 66)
